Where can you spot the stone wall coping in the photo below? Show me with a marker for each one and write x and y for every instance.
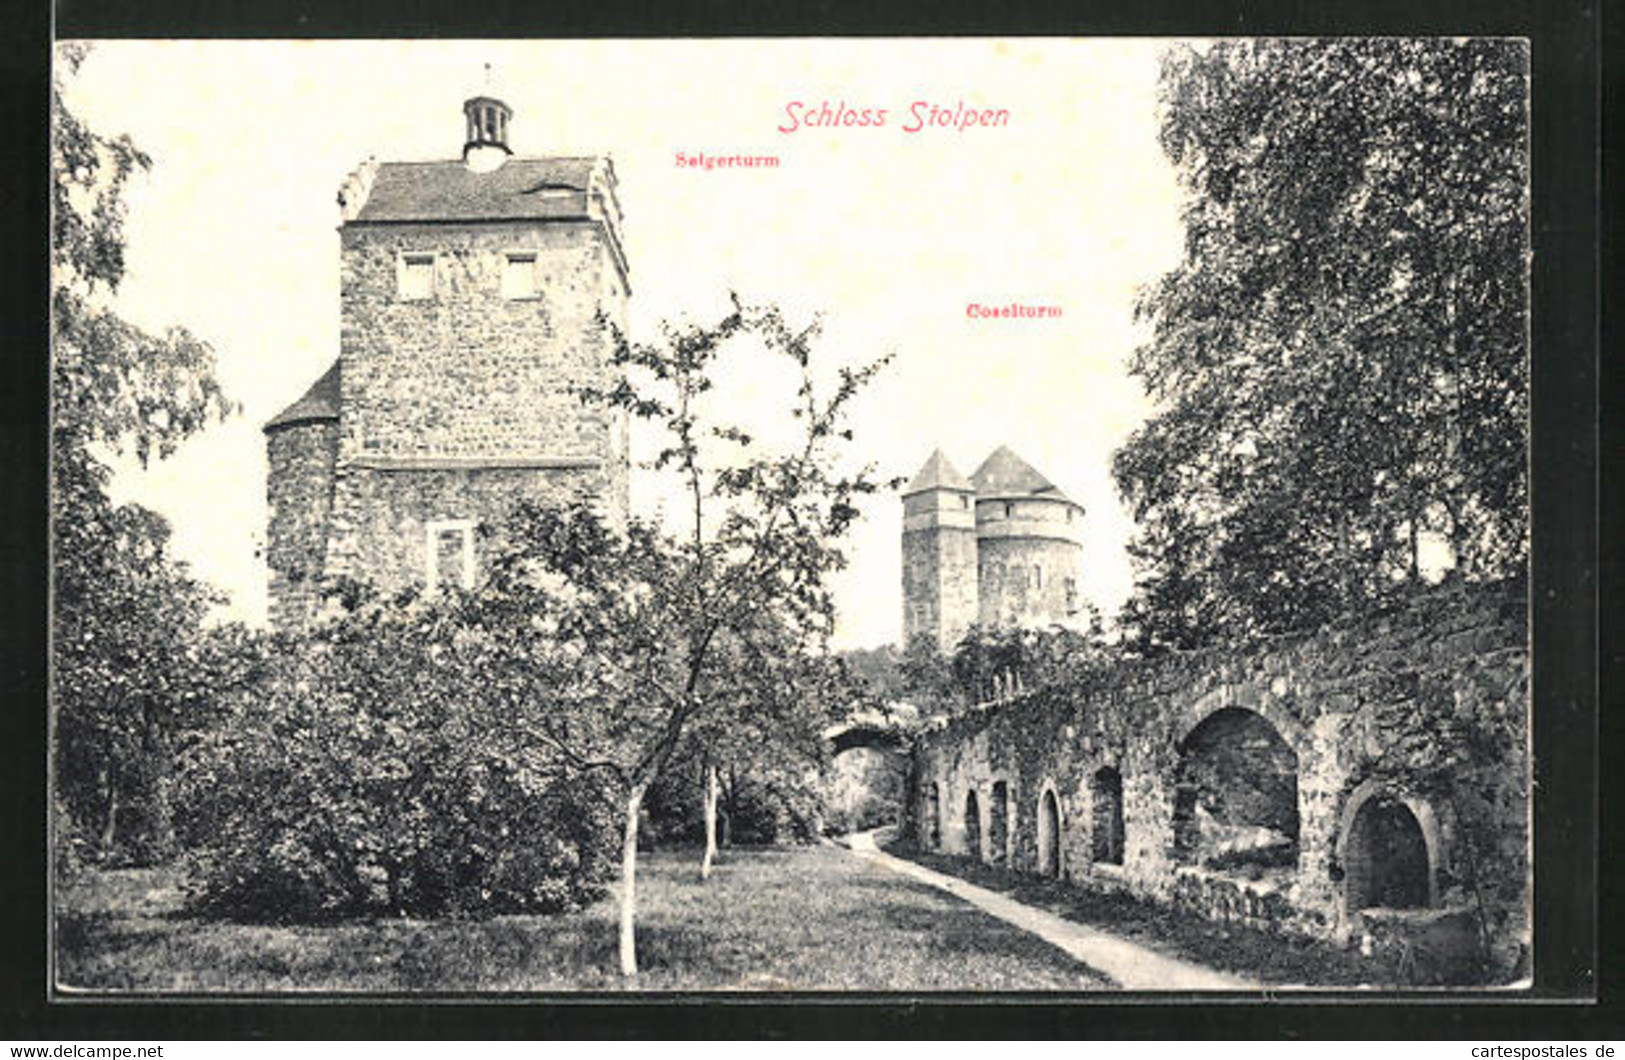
(377, 462)
(1217, 666)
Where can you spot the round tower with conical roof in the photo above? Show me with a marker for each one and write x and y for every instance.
(1028, 556)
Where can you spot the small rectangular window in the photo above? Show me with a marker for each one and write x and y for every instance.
(449, 553)
(519, 276)
(417, 276)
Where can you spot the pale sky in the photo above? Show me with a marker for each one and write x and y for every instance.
(889, 234)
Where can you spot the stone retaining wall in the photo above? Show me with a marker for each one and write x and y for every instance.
(1423, 706)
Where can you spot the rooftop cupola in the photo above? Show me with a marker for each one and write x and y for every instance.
(485, 146)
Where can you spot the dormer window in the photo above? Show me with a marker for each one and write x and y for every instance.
(416, 277)
(519, 275)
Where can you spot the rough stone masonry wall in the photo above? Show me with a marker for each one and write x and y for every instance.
(939, 583)
(469, 372)
(386, 522)
(300, 493)
(1022, 581)
(459, 405)
(1355, 703)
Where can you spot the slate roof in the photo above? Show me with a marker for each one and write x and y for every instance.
(519, 189)
(937, 473)
(321, 402)
(1004, 474)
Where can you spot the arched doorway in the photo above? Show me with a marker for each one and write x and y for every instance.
(932, 816)
(998, 824)
(1049, 834)
(1385, 858)
(1236, 794)
(973, 825)
(1106, 835)
(863, 788)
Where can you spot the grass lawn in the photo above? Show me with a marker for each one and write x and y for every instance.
(1243, 950)
(811, 918)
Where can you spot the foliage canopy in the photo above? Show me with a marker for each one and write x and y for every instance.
(1339, 360)
(126, 660)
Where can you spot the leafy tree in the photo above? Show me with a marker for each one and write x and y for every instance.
(879, 672)
(770, 748)
(990, 662)
(640, 641)
(1339, 359)
(927, 676)
(127, 665)
(125, 615)
(111, 383)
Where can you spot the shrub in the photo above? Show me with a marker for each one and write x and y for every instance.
(764, 812)
(67, 844)
(752, 811)
(371, 771)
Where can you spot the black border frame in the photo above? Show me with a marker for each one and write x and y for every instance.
(1569, 212)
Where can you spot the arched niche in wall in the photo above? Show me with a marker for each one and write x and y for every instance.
(1106, 816)
(931, 816)
(998, 824)
(1389, 848)
(1236, 794)
(1050, 859)
(973, 825)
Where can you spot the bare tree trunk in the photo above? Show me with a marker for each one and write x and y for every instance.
(109, 822)
(629, 881)
(1416, 549)
(712, 793)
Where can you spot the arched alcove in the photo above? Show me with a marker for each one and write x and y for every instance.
(931, 814)
(1236, 794)
(863, 788)
(1387, 858)
(998, 824)
(973, 825)
(1049, 834)
(1389, 850)
(1106, 833)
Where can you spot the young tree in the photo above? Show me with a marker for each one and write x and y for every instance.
(1339, 359)
(773, 738)
(124, 614)
(639, 641)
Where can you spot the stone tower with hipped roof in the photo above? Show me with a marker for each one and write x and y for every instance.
(939, 553)
(475, 295)
(999, 549)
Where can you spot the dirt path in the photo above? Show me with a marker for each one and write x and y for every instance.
(1133, 967)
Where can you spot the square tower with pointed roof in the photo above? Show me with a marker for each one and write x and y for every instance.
(939, 554)
(477, 297)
